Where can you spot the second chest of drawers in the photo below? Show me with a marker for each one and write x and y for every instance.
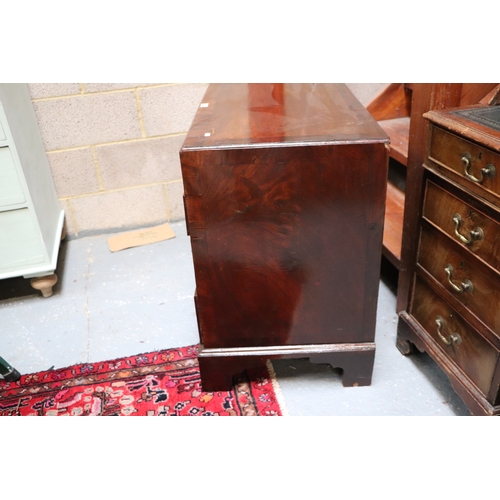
(453, 310)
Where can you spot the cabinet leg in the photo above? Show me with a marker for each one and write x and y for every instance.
(217, 374)
(358, 370)
(44, 284)
(405, 347)
(357, 367)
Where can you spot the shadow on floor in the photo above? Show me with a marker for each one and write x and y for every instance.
(440, 381)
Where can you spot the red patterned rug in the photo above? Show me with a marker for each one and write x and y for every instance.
(165, 383)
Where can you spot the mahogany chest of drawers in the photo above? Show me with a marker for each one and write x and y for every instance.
(284, 192)
(454, 309)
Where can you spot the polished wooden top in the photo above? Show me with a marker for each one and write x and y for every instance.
(234, 115)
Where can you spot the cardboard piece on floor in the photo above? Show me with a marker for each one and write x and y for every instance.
(140, 237)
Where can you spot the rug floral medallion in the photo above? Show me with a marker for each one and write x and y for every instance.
(164, 383)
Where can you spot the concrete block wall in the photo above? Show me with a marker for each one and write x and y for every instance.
(114, 149)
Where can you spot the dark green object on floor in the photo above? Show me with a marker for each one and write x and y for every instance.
(8, 372)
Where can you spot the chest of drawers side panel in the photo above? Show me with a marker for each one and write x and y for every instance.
(286, 242)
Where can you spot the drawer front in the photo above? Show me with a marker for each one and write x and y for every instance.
(20, 243)
(478, 167)
(474, 230)
(470, 352)
(466, 280)
(11, 192)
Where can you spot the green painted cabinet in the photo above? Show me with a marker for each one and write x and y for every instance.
(31, 218)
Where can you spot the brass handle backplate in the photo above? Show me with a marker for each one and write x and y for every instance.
(454, 337)
(475, 235)
(465, 286)
(488, 171)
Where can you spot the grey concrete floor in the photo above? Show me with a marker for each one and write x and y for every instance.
(109, 305)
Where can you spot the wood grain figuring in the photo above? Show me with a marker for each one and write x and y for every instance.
(271, 227)
(285, 206)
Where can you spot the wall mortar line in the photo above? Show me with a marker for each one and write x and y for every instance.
(72, 218)
(84, 92)
(123, 141)
(140, 114)
(97, 169)
(167, 204)
(117, 190)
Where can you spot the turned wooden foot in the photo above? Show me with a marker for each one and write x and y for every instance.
(44, 284)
